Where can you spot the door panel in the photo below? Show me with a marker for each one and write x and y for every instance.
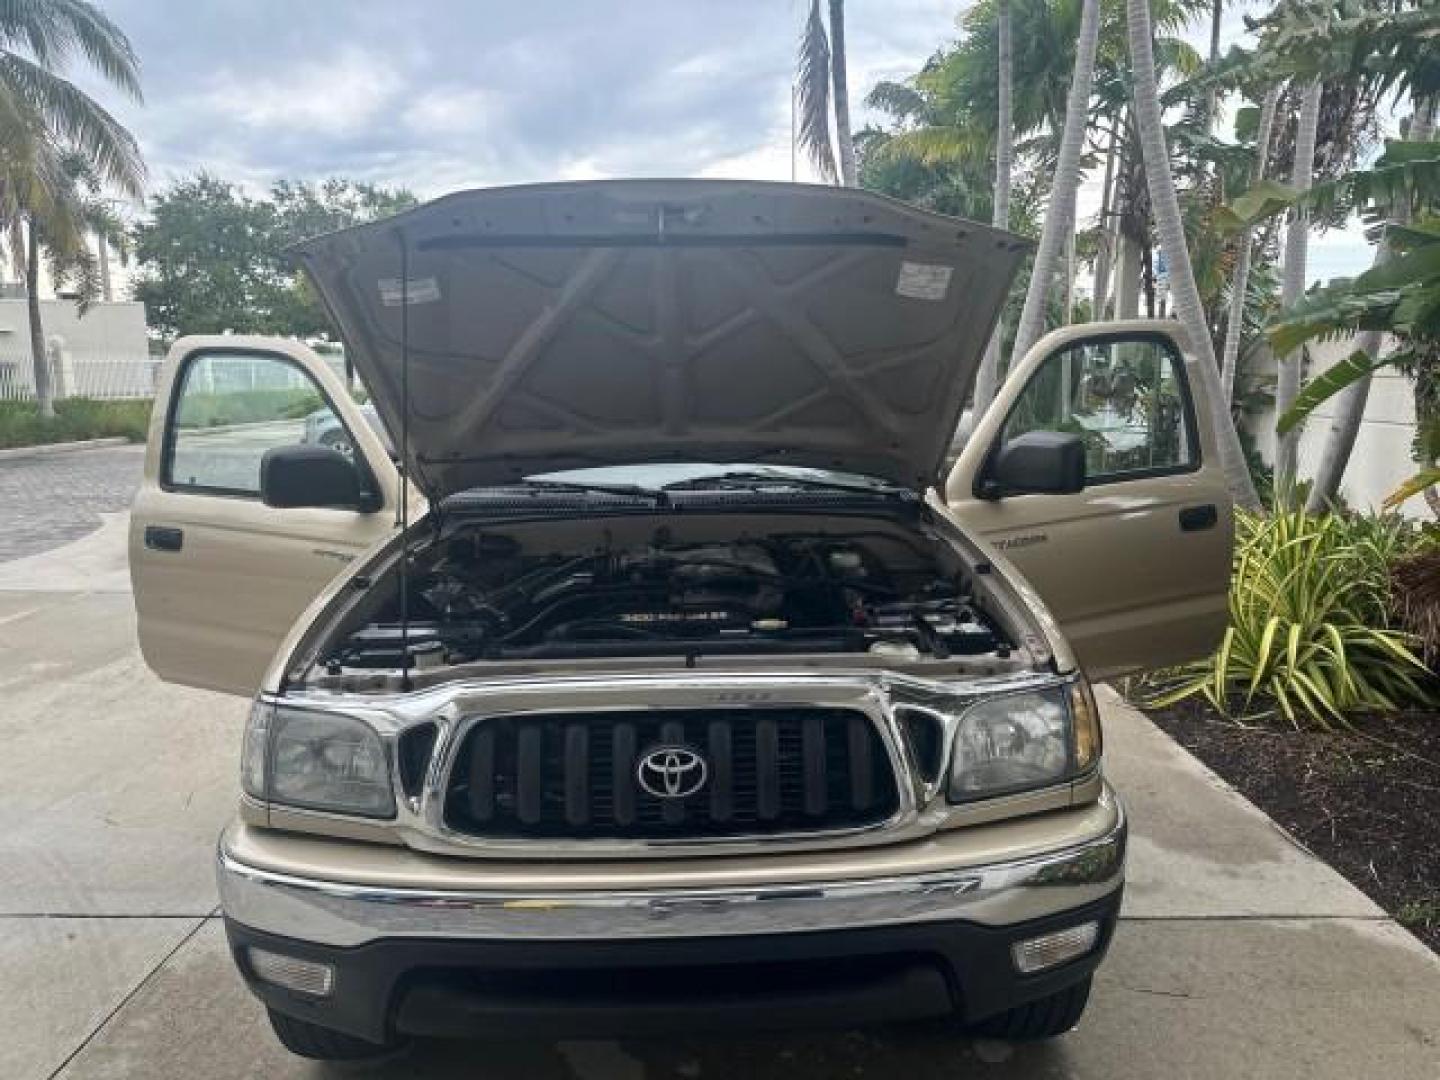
(1135, 567)
(218, 576)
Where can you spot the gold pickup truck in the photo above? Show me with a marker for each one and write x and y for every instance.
(638, 663)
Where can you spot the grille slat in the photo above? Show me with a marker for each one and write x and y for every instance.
(577, 774)
(530, 774)
(813, 734)
(767, 768)
(722, 770)
(574, 775)
(482, 774)
(622, 785)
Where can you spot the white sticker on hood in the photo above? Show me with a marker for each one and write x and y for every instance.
(923, 281)
(425, 290)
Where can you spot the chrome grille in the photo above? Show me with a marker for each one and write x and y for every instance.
(574, 775)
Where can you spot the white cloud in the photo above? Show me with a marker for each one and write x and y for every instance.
(335, 95)
(452, 110)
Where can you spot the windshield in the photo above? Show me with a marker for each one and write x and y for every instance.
(665, 475)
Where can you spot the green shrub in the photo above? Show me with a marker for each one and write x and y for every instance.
(1310, 634)
(75, 418)
(246, 406)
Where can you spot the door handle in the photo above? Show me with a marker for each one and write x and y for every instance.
(164, 538)
(1198, 518)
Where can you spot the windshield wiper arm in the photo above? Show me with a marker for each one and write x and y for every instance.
(745, 479)
(581, 486)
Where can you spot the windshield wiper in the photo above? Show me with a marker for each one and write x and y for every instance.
(580, 486)
(741, 479)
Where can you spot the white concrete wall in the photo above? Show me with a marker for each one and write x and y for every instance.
(1381, 458)
(106, 351)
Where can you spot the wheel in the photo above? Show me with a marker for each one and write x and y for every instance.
(338, 441)
(311, 1041)
(1043, 1019)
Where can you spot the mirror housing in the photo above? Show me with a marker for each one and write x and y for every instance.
(1038, 462)
(313, 476)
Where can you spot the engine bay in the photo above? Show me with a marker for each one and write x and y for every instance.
(659, 588)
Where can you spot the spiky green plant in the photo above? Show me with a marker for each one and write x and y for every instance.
(1310, 637)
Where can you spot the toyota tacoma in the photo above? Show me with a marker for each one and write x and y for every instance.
(680, 667)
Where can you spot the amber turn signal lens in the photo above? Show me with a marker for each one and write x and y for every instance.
(1086, 718)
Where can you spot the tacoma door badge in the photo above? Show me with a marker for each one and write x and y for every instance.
(671, 772)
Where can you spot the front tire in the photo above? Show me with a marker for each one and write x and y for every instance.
(322, 1044)
(339, 441)
(1037, 1020)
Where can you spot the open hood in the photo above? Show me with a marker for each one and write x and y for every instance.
(560, 326)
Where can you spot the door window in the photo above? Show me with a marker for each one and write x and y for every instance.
(231, 408)
(1125, 397)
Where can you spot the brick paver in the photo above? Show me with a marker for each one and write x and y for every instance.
(51, 499)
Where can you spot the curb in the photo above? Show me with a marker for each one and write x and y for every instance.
(45, 449)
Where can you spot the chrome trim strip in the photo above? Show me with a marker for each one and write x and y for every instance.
(347, 915)
(456, 707)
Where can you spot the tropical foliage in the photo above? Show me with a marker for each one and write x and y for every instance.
(58, 147)
(1311, 632)
(212, 259)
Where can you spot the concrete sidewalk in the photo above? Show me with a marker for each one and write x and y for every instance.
(1239, 956)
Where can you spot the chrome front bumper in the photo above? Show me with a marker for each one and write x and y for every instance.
(344, 915)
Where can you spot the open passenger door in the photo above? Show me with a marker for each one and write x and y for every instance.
(1135, 564)
(219, 577)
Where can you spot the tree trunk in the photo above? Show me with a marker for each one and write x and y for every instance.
(1292, 287)
(1230, 357)
(39, 358)
(102, 243)
(1127, 279)
(844, 143)
(1104, 232)
(1061, 211)
(1350, 403)
(1212, 95)
(1165, 206)
(1067, 315)
(988, 377)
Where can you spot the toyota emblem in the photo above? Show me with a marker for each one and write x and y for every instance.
(671, 772)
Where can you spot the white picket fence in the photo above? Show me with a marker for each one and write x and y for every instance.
(106, 376)
(89, 376)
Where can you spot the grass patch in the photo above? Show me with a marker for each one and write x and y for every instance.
(75, 418)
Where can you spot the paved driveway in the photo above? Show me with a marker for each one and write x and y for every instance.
(51, 499)
(1238, 956)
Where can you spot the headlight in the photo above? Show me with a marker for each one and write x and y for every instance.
(317, 761)
(1017, 742)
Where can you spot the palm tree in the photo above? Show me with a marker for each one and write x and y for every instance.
(1060, 214)
(988, 376)
(822, 80)
(1170, 228)
(1239, 287)
(1292, 283)
(42, 112)
(38, 39)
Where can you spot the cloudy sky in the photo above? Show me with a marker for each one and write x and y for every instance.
(436, 95)
(440, 94)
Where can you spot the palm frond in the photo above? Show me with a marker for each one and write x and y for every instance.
(1323, 387)
(932, 146)
(813, 85)
(899, 100)
(78, 121)
(1408, 172)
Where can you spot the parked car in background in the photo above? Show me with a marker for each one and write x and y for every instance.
(324, 428)
(699, 690)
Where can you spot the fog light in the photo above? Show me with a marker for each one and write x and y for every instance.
(1048, 950)
(302, 976)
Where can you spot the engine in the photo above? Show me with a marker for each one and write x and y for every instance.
(482, 595)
